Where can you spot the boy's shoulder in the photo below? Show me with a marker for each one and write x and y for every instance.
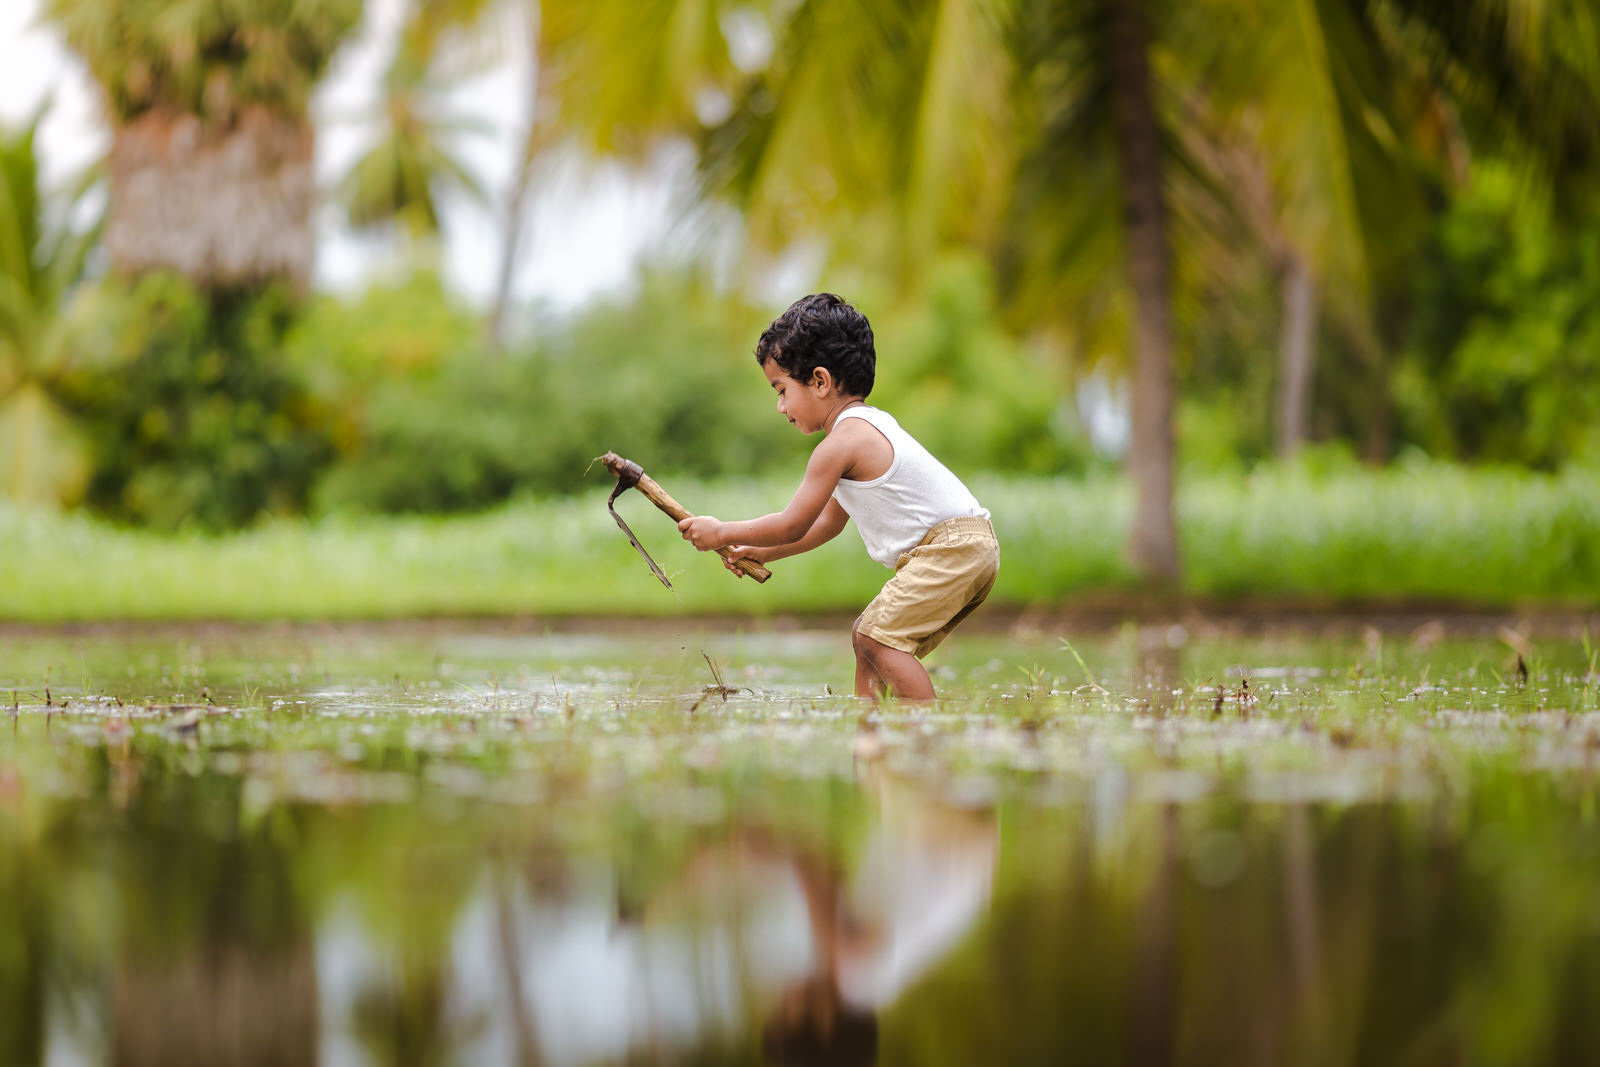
(857, 447)
(863, 421)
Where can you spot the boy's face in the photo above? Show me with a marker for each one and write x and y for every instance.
(802, 404)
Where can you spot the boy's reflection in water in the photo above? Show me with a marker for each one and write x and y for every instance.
(758, 925)
(925, 874)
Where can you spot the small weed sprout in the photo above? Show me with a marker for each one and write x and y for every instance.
(1038, 678)
(1086, 671)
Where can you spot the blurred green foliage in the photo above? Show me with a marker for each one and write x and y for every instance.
(412, 431)
(668, 378)
(42, 257)
(1489, 352)
(1504, 351)
(192, 415)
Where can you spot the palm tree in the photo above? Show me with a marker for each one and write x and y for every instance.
(907, 128)
(1138, 135)
(211, 147)
(41, 259)
(1090, 238)
(400, 178)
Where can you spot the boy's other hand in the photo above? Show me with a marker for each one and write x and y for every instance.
(703, 531)
(738, 552)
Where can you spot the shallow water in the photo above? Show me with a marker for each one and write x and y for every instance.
(475, 844)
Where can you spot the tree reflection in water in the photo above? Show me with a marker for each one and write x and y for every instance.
(163, 904)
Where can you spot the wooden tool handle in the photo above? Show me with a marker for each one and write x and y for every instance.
(663, 500)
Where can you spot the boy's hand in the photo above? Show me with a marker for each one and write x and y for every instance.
(703, 531)
(738, 552)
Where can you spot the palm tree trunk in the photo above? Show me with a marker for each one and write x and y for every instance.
(222, 205)
(1297, 354)
(1304, 915)
(533, 145)
(510, 248)
(1377, 433)
(225, 1002)
(1154, 543)
(1153, 999)
(1380, 429)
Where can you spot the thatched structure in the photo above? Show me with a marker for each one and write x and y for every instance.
(222, 205)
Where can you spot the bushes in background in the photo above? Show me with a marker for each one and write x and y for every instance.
(440, 422)
(429, 419)
(192, 416)
(212, 410)
(422, 415)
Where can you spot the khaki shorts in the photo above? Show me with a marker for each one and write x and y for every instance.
(935, 586)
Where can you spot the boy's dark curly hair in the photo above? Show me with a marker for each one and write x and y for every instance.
(821, 330)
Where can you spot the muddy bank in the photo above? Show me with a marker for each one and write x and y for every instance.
(1197, 617)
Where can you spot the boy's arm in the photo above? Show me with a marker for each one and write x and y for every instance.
(827, 465)
(825, 529)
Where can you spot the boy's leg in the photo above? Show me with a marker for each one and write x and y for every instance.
(868, 682)
(899, 671)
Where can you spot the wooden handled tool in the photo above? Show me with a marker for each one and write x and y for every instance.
(632, 476)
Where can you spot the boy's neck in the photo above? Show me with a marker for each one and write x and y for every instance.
(833, 416)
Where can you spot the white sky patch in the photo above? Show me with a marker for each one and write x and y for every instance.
(749, 38)
(1105, 406)
(35, 65)
(711, 105)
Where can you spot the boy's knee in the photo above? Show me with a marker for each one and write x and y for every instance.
(863, 645)
(870, 649)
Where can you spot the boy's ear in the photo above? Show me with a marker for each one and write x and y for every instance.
(821, 377)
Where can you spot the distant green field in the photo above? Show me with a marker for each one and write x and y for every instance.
(1438, 533)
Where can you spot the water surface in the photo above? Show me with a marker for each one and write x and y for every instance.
(474, 844)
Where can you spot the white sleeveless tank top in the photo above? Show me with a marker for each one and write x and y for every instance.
(895, 511)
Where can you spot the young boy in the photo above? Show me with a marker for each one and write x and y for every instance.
(914, 515)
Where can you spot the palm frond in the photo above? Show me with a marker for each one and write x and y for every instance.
(624, 75)
(205, 57)
(1527, 72)
(19, 204)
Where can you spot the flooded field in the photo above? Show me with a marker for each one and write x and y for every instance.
(484, 845)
